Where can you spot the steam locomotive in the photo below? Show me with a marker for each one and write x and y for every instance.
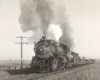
(51, 56)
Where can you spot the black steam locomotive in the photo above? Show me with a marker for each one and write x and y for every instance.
(51, 55)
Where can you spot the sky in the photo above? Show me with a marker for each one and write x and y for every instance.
(83, 18)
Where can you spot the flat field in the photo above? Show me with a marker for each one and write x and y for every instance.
(7, 63)
(87, 72)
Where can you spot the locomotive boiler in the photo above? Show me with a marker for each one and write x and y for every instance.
(50, 55)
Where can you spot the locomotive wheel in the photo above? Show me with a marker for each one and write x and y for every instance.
(54, 64)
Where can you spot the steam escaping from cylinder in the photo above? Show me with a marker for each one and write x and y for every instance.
(41, 16)
(54, 32)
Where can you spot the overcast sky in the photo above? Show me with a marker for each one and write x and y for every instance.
(83, 18)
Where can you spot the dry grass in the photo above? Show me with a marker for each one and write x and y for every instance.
(4, 74)
(91, 72)
(88, 72)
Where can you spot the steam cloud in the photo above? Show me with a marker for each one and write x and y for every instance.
(54, 32)
(38, 15)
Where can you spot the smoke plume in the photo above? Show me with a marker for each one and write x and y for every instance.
(54, 32)
(38, 15)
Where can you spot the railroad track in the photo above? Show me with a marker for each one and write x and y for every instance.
(47, 74)
(35, 76)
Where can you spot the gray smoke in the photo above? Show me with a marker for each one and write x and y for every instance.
(37, 15)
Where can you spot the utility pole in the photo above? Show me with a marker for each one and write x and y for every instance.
(22, 48)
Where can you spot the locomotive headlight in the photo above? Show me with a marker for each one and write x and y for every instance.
(41, 50)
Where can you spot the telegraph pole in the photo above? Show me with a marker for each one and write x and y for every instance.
(22, 48)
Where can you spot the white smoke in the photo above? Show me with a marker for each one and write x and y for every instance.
(54, 32)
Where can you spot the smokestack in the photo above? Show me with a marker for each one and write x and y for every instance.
(38, 15)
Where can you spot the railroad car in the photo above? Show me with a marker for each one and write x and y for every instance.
(75, 58)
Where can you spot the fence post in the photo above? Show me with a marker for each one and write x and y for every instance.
(9, 67)
(26, 66)
(15, 67)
